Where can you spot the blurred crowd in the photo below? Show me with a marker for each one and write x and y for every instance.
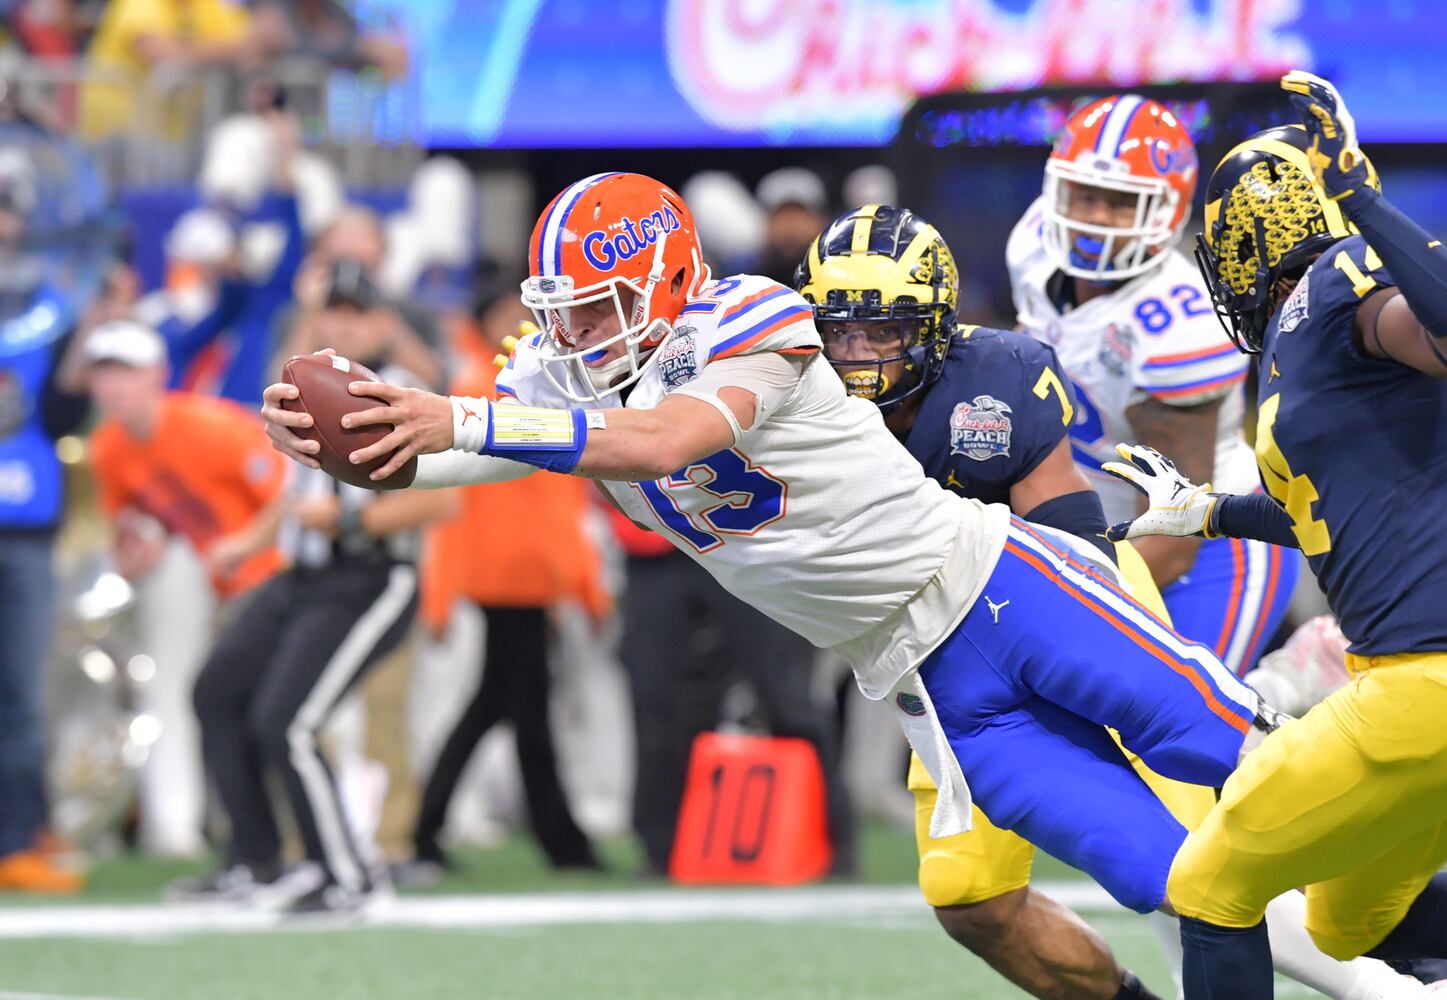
(163, 578)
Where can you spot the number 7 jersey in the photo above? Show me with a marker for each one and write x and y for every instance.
(1154, 336)
(817, 516)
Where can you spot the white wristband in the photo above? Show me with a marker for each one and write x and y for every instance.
(470, 420)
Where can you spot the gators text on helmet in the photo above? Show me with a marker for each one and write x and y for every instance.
(1266, 220)
(624, 239)
(885, 267)
(1134, 147)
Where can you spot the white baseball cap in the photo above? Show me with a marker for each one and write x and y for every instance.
(127, 342)
(200, 236)
(793, 186)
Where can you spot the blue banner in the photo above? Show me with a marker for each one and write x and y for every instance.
(631, 73)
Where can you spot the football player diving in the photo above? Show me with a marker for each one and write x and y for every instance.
(987, 414)
(1344, 299)
(704, 409)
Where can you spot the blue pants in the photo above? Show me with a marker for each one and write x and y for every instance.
(26, 598)
(1051, 654)
(1233, 597)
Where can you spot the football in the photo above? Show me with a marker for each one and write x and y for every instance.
(322, 380)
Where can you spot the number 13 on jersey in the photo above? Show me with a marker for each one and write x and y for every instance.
(723, 494)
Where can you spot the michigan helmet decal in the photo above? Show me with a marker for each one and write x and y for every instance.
(884, 267)
(1266, 219)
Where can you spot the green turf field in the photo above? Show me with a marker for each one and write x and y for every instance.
(507, 928)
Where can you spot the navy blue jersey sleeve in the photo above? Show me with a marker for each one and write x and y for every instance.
(1001, 405)
(1048, 402)
(1329, 294)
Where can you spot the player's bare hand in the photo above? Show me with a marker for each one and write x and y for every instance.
(280, 425)
(279, 422)
(421, 424)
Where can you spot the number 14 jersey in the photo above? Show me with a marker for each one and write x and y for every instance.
(1153, 336)
(1352, 447)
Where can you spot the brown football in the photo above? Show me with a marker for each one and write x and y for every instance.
(322, 380)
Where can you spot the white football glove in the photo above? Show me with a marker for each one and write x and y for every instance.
(1178, 507)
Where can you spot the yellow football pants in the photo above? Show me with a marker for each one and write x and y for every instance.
(988, 861)
(1349, 801)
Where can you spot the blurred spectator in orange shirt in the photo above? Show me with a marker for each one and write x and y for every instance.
(192, 486)
(515, 549)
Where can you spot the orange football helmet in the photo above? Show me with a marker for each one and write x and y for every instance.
(620, 237)
(1128, 144)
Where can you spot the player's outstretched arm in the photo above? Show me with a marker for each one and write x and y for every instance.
(1177, 507)
(620, 444)
(1410, 328)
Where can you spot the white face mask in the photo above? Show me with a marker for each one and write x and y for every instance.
(575, 370)
(1105, 252)
(552, 298)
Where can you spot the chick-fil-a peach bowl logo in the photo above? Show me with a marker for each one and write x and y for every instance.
(782, 64)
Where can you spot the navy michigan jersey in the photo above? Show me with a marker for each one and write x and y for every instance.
(1000, 405)
(1355, 449)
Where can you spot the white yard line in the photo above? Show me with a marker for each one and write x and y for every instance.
(854, 904)
(8, 995)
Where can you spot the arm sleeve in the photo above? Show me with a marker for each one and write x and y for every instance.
(459, 468)
(183, 343)
(1416, 261)
(286, 207)
(1254, 515)
(1080, 514)
(769, 376)
(61, 412)
(1048, 406)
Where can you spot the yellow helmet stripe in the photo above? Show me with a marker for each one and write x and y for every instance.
(815, 260)
(863, 223)
(917, 246)
(1336, 223)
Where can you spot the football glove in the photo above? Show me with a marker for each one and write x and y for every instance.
(1336, 159)
(1178, 507)
(526, 329)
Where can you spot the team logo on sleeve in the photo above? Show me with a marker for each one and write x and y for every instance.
(1117, 345)
(1294, 309)
(678, 359)
(980, 429)
(910, 704)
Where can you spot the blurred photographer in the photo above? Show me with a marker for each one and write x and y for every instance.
(343, 302)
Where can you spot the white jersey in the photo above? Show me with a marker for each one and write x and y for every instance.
(1154, 336)
(817, 516)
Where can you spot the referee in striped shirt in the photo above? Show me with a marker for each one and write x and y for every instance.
(302, 643)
